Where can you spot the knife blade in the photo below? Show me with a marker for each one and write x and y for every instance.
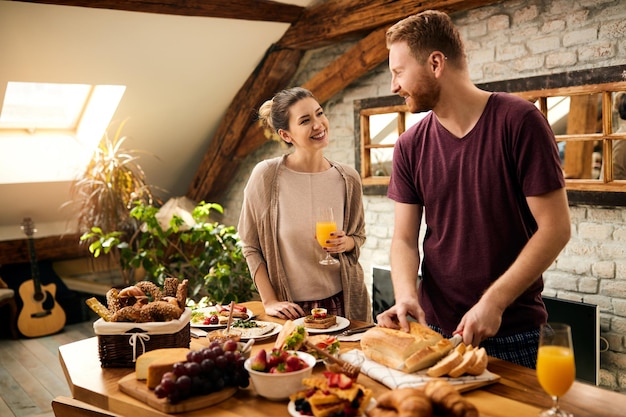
(357, 330)
(456, 339)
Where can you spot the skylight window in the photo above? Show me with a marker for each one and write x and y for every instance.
(43, 106)
(48, 132)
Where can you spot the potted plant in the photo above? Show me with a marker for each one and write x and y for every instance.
(194, 247)
(112, 182)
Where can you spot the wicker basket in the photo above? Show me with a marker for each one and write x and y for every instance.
(119, 344)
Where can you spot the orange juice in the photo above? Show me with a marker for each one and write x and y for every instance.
(555, 369)
(323, 231)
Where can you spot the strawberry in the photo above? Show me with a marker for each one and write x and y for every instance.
(259, 362)
(344, 381)
(276, 357)
(338, 380)
(294, 363)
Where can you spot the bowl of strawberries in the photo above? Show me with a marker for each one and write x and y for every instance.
(278, 373)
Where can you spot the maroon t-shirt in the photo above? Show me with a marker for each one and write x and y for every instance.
(473, 191)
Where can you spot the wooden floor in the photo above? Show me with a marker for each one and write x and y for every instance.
(30, 373)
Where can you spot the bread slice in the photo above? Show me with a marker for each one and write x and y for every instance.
(469, 357)
(480, 365)
(427, 356)
(445, 365)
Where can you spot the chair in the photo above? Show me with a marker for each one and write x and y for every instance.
(7, 300)
(70, 407)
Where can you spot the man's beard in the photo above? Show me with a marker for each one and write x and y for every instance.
(426, 99)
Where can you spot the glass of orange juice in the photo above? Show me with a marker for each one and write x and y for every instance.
(555, 364)
(324, 226)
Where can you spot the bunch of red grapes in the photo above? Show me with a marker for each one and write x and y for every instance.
(208, 370)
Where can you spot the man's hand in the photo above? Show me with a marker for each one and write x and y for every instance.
(483, 320)
(396, 316)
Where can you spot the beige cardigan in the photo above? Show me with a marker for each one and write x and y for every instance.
(258, 232)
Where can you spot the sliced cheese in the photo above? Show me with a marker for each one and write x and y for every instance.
(156, 360)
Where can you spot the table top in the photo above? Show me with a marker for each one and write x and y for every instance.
(516, 394)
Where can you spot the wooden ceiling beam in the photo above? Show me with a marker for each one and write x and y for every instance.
(219, 167)
(220, 163)
(260, 10)
(336, 20)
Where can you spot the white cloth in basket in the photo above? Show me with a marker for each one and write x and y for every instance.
(102, 327)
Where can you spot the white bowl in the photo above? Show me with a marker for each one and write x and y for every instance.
(280, 386)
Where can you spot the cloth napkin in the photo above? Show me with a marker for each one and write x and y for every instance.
(397, 379)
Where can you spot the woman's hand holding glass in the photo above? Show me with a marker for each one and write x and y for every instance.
(556, 370)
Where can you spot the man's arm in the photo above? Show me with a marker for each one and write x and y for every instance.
(551, 212)
(405, 260)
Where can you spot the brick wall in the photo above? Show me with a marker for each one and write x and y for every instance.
(508, 40)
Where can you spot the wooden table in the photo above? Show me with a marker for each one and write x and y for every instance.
(516, 394)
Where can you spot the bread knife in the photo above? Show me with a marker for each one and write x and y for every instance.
(456, 339)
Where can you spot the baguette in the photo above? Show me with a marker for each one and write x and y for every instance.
(408, 352)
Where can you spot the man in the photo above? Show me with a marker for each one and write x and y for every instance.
(485, 171)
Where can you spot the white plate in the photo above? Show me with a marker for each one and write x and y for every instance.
(291, 407)
(207, 311)
(277, 328)
(341, 324)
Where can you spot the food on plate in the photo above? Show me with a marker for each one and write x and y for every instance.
(277, 361)
(204, 371)
(218, 315)
(291, 336)
(435, 398)
(143, 302)
(333, 394)
(251, 329)
(326, 342)
(461, 361)
(320, 319)
(151, 365)
(409, 352)
(222, 335)
(239, 311)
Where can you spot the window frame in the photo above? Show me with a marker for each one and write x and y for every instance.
(605, 81)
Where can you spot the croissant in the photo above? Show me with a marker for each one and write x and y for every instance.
(406, 402)
(447, 401)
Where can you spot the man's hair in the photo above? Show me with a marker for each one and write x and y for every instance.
(427, 32)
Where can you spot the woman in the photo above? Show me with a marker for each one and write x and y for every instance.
(277, 222)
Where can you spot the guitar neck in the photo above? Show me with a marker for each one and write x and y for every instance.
(33, 266)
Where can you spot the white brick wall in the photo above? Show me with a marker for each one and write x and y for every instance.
(508, 40)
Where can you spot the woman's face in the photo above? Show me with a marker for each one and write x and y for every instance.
(308, 125)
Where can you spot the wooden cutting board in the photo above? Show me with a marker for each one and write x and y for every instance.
(139, 390)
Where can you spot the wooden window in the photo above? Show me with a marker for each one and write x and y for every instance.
(578, 106)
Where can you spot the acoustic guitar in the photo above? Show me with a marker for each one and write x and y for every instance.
(41, 314)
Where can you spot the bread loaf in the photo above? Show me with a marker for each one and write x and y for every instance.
(420, 348)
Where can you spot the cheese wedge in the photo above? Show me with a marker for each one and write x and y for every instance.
(153, 364)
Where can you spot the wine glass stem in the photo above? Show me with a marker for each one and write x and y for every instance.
(555, 403)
